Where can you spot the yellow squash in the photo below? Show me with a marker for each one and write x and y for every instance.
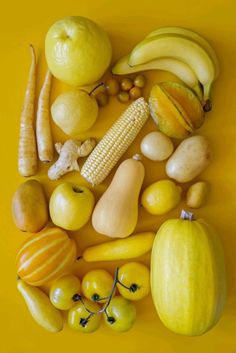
(120, 249)
(116, 213)
(188, 279)
(40, 307)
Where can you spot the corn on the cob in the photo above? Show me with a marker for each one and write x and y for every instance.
(115, 142)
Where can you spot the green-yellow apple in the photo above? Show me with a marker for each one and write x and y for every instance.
(71, 206)
(78, 51)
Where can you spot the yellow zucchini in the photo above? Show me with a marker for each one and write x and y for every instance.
(120, 249)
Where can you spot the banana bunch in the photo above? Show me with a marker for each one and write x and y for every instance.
(180, 51)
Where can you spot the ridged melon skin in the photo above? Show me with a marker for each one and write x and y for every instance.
(188, 279)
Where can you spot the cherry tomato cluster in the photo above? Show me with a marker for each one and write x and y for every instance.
(83, 299)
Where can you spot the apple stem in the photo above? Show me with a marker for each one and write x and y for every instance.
(94, 89)
(77, 190)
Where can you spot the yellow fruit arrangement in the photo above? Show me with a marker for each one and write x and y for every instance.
(188, 281)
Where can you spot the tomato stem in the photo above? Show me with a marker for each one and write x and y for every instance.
(78, 297)
(95, 297)
(110, 319)
(133, 288)
(100, 299)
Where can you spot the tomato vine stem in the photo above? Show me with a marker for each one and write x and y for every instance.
(77, 297)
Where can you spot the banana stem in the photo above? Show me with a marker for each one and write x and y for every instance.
(207, 106)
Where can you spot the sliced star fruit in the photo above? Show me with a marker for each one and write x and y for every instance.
(167, 115)
(188, 103)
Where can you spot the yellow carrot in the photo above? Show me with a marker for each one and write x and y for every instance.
(27, 155)
(43, 128)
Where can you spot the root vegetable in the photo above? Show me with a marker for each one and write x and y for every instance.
(197, 194)
(156, 146)
(43, 128)
(190, 158)
(27, 155)
(68, 155)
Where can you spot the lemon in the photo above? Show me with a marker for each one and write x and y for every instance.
(161, 197)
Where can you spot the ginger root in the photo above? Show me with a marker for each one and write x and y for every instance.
(69, 152)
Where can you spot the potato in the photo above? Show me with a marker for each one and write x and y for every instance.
(190, 158)
(197, 194)
(156, 146)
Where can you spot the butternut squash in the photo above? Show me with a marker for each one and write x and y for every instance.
(116, 213)
(188, 279)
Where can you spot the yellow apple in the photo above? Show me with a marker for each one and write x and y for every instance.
(78, 51)
(71, 206)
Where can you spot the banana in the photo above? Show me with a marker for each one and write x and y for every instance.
(40, 307)
(181, 48)
(193, 36)
(120, 249)
(176, 67)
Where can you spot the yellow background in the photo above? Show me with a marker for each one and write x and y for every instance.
(126, 21)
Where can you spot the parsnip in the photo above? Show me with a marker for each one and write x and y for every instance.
(27, 155)
(43, 128)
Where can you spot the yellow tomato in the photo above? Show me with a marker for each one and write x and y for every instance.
(80, 319)
(97, 285)
(134, 281)
(120, 315)
(63, 290)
